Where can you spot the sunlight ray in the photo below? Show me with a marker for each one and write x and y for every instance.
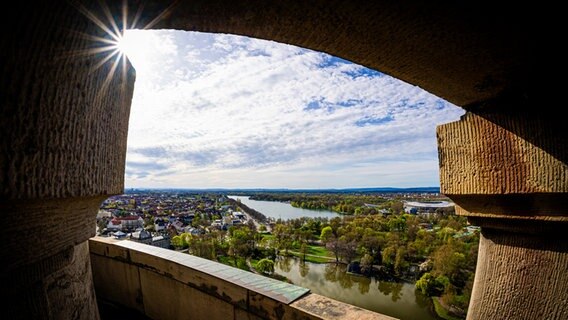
(136, 17)
(109, 77)
(111, 20)
(161, 15)
(104, 60)
(96, 21)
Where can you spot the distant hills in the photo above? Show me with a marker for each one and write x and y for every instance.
(285, 190)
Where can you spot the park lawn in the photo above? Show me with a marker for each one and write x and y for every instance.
(315, 254)
(268, 236)
(313, 259)
(319, 251)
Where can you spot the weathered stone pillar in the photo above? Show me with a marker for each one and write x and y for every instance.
(506, 169)
(63, 127)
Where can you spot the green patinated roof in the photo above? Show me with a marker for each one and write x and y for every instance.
(277, 290)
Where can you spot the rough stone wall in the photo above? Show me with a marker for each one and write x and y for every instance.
(507, 171)
(509, 164)
(63, 127)
(63, 131)
(146, 279)
(517, 279)
(465, 52)
(61, 289)
(503, 154)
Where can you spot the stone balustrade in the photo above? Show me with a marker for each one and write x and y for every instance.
(165, 284)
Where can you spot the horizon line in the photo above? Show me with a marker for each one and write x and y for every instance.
(277, 188)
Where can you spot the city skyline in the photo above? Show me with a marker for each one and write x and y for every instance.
(224, 111)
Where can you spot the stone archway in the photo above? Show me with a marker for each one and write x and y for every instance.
(64, 131)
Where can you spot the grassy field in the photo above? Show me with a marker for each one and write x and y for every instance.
(319, 251)
(315, 254)
(268, 236)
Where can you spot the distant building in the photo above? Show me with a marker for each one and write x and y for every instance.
(103, 214)
(131, 222)
(161, 241)
(178, 225)
(193, 231)
(416, 207)
(159, 224)
(114, 225)
(119, 235)
(142, 236)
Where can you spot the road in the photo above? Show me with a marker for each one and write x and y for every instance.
(256, 223)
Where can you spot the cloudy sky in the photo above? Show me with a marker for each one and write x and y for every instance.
(213, 110)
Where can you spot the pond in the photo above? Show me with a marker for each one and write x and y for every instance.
(396, 299)
(282, 210)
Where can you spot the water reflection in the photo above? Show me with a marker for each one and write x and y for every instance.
(331, 272)
(284, 264)
(395, 299)
(421, 300)
(394, 289)
(364, 284)
(304, 269)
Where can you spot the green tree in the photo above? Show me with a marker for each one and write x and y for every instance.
(177, 242)
(366, 263)
(265, 266)
(331, 240)
(429, 285)
(303, 250)
(399, 261)
(347, 249)
(196, 222)
(449, 262)
(326, 234)
(396, 207)
(241, 243)
(283, 236)
(389, 255)
(102, 224)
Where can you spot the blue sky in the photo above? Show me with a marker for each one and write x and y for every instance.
(214, 110)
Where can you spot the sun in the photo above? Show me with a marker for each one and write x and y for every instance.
(119, 43)
(129, 43)
(134, 45)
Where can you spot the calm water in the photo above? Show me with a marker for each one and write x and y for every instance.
(397, 300)
(281, 210)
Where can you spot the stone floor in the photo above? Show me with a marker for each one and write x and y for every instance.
(111, 311)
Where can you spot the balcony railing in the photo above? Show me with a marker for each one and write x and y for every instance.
(165, 284)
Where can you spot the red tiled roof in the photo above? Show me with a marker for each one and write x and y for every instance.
(130, 218)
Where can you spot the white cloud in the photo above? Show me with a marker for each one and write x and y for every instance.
(212, 110)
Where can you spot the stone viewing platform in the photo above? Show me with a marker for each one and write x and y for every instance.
(145, 279)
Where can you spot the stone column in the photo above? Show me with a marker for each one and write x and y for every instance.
(63, 127)
(506, 169)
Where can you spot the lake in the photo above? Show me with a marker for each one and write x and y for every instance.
(395, 299)
(282, 210)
